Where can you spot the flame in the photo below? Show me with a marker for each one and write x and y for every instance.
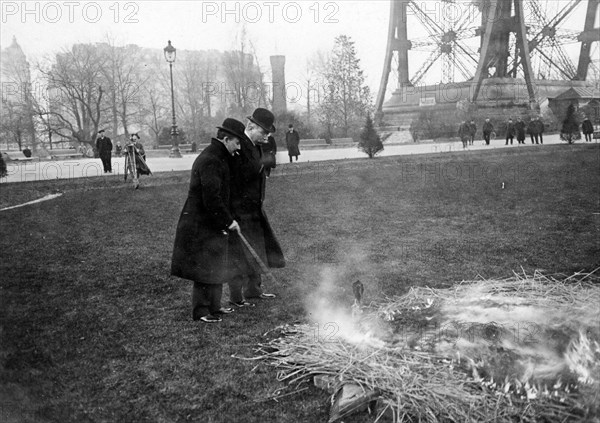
(583, 358)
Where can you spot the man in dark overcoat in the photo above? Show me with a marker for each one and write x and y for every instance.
(464, 133)
(487, 129)
(247, 196)
(292, 141)
(201, 242)
(520, 130)
(269, 158)
(510, 131)
(104, 147)
(472, 131)
(587, 128)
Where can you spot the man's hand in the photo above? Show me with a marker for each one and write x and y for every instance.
(235, 227)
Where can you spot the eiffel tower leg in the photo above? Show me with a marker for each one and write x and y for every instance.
(587, 37)
(523, 47)
(397, 41)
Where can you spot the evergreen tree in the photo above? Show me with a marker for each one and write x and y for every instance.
(370, 142)
(347, 98)
(570, 126)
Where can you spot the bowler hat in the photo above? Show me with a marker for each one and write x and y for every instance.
(263, 118)
(233, 127)
(101, 131)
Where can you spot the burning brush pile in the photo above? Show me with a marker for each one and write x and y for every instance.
(525, 348)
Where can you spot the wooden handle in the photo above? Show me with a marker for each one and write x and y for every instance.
(263, 267)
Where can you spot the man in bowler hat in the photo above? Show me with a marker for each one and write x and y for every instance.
(292, 141)
(247, 196)
(104, 147)
(206, 223)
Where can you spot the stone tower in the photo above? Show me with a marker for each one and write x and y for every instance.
(278, 78)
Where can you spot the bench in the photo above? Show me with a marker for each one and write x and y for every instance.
(344, 141)
(58, 154)
(18, 156)
(184, 148)
(313, 143)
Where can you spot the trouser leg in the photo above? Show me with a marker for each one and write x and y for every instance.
(254, 286)
(236, 285)
(206, 299)
(200, 301)
(214, 293)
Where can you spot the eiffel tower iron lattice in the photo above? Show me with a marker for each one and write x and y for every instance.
(500, 40)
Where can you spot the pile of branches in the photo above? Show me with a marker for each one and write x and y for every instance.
(430, 375)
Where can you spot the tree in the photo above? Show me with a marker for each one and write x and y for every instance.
(75, 83)
(570, 126)
(370, 142)
(347, 99)
(17, 111)
(164, 137)
(155, 114)
(243, 80)
(124, 78)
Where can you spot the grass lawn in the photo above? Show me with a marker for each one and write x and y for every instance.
(93, 328)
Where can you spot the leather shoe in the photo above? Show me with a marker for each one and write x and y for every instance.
(242, 303)
(266, 296)
(211, 319)
(223, 310)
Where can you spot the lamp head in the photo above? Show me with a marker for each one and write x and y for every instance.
(170, 53)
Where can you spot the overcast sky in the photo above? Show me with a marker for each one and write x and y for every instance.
(295, 29)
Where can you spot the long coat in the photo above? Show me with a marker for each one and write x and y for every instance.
(292, 141)
(104, 146)
(201, 241)
(587, 127)
(488, 128)
(247, 196)
(464, 131)
(520, 130)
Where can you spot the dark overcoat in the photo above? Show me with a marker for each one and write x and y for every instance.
(269, 151)
(464, 131)
(292, 141)
(488, 128)
(520, 130)
(587, 127)
(104, 147)
(201, 241)
(247, 196)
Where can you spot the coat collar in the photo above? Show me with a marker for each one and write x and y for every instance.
(220, 148)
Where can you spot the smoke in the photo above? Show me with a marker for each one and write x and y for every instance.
(330, 306)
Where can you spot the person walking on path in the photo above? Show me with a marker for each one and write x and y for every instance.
(587, 128)
(520, 130)
(531, 128)
(269, 155)
(464, 132)
(487, 129)
(539, 127)
(247, 196)
(510, 131)
(292, 141)
(472, 131)
(203, 231)
(104, 147)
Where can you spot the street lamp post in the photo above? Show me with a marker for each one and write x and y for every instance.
(170, 53)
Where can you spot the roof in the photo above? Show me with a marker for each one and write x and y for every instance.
(579, 93)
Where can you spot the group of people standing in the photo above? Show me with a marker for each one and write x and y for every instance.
(224, 207)
(104, 147)
(535, 129)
